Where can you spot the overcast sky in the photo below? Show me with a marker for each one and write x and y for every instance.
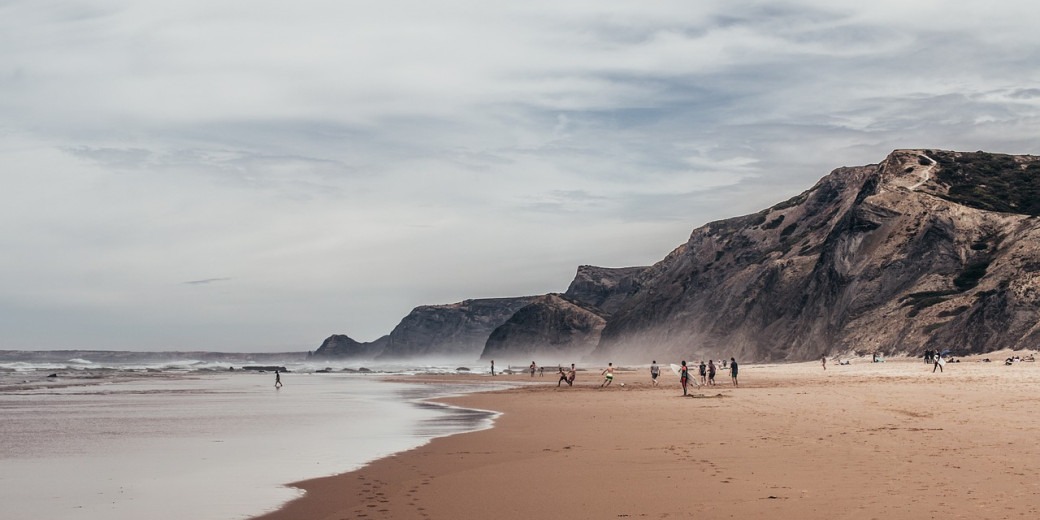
(256, 175)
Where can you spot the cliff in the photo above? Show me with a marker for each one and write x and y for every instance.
(605, 288)
(343, 346)
(457, 330)
(928, 249)
(551, 327)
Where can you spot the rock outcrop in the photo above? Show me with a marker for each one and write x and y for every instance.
(552, 327)
(343, 346)
(929, 249)
(605, 288)
(457, 330)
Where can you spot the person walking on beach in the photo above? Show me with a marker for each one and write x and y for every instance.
(733, 370)
(711, 372)
(571, 375)
(684, 376)
(823, 361)
(277, 379)
(563, 378)
(703, 369)
(608, 375)
(655, 371)
(533, 367)
(939, 362)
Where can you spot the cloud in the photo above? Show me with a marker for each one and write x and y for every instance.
(349, 161)
(206, 281)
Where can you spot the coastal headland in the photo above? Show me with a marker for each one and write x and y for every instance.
(889, 440)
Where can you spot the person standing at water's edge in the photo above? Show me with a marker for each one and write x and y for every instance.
(684, 376)
(533, 367)
(608, 375)
(733, 370)
(655, 371)
(277, 379)
(492, 367)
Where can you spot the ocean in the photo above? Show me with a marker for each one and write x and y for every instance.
(190, 438)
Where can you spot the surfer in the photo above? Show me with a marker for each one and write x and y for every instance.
(608, 375)
(939, 362)
(654, 372)
(684, 376)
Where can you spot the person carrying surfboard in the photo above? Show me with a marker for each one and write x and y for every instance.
(684, 376)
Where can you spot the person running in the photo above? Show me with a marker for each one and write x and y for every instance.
(684, 376)
(711, 372)
(703, 369)
(608, 375)
(563, 378)
(655, 371)
(733, 370)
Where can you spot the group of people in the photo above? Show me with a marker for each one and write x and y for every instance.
(568, 376)
(706, 372)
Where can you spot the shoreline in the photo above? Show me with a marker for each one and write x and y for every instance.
(209, 445)
(865, 441)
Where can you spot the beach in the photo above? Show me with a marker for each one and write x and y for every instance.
(868, 440)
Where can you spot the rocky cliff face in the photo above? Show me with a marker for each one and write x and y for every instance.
(929, 249)
(343, 346)
(605, 288)
(552, 328)
(457, 330)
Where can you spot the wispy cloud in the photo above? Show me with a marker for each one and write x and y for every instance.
(206, 281)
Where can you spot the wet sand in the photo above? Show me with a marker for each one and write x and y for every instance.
(870, 440)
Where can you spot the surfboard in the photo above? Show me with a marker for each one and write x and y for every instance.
(675, 368)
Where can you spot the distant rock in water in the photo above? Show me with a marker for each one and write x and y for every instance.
(343, 346)
(454, 330)
(552, 326)
(927, 250)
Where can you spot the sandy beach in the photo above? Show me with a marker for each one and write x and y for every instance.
(864, 441)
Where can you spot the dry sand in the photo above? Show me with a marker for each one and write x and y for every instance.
(866, 441)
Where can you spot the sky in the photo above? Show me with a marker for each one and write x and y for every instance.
(256, 176)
